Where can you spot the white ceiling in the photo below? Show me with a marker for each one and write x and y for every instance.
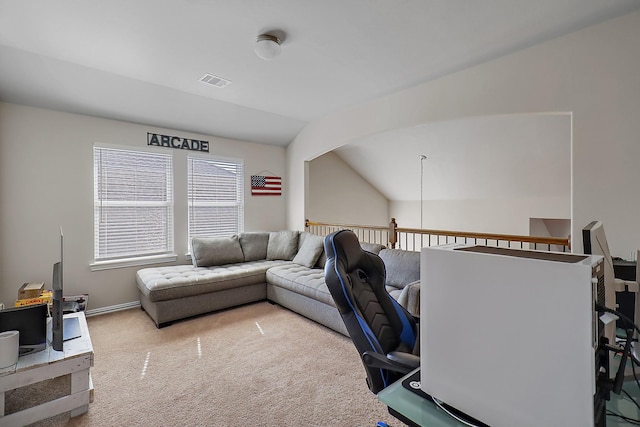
(141, 60)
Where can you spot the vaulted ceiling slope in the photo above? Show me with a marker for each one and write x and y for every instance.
(141, 61)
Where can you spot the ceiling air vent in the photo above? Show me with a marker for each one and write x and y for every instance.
(214, 80)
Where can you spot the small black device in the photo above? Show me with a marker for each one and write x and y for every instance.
(31, 322)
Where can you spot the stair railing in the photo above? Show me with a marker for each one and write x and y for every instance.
(413, 239)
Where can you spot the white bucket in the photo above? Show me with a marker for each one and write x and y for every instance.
(9, 348)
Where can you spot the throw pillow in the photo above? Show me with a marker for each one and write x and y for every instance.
(208, 251)
(322, 259)
(310, 249)
(254, 245)
(372, 247)
(282, 245)
(410, 298)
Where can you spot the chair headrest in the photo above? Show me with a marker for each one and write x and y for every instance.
(344, 247)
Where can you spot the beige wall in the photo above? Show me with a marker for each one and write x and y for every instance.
(338, 194)
(592, 74)
(502, 216)
(46, 181)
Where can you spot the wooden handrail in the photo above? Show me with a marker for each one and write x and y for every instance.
(308, 224)
(487, 236)
(560, 241)
(394, 233)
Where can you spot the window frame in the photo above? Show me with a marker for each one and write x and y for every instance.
(238, 202)
(132, 259)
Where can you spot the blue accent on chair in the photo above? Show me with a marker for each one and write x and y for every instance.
(408, 334)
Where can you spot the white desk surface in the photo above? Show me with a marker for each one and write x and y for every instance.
(76, 359)
(71, 348)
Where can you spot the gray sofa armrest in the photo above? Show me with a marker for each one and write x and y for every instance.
(410, 298)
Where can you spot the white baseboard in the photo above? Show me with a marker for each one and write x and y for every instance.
(112, 308)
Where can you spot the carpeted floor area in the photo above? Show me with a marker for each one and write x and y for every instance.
(255, 365)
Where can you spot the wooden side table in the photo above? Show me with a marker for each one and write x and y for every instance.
(76, 360)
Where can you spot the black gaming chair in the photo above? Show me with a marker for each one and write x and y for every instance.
(384, 333)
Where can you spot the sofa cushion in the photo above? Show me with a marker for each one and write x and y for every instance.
(302, 280)
(179, 281)
(311, 246)
(282, 245)
(254, 245)
(208, 251)
(403, 267)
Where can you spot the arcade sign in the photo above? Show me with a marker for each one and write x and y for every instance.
(177, 142)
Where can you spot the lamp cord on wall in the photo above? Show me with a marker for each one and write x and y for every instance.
(422, 157)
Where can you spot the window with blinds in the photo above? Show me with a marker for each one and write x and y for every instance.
(133, 198)
(216, 197)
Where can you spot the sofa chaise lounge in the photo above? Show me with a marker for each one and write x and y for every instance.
(283, 267)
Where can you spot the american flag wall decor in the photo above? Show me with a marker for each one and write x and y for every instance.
(262, 185)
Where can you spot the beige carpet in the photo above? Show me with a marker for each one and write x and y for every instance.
(255, 365)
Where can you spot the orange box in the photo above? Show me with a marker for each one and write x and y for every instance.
(30, 290)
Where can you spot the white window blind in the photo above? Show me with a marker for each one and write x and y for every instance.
(133, 198)
(216, 197)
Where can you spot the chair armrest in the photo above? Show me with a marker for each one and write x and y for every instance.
(406, 359)
(395, 361)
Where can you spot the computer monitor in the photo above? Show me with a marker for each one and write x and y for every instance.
(57, 325)
(61, 329)
(31, 322)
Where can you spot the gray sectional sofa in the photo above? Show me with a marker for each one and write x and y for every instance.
(284, 267)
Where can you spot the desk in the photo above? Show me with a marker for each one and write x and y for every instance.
(76, 360)
(412, 408)
(621, 404)
(408, 406)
